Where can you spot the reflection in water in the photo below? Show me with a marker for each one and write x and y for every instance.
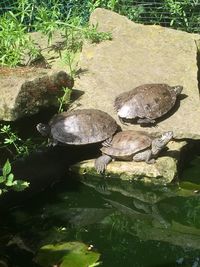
(128, 223)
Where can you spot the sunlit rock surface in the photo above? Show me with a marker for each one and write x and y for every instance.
(162, 172)
(140, 54)
(25, 90)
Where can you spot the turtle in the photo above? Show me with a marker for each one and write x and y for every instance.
(79, 127)
(132, 145)
(147, 102)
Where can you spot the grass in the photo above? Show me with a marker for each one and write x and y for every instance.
(72, 18)
(46, 17)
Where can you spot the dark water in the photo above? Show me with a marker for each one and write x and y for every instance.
(128, 223)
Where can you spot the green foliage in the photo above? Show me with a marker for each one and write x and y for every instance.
(73, 254)
(192, 206)
(65, 99)
(71, 17)
(182, 14)
(46, 17)
(74, 32)
(47, 20)
(7, 181)
(94, 36)
(13, 143)
(14, 41)
(68, 57)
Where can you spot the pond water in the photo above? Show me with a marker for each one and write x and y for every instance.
(128, 223)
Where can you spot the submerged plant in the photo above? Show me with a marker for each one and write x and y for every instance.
(8, 182)
(192, 206)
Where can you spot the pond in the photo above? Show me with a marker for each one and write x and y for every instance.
(125, 223)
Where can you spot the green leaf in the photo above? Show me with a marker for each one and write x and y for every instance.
(73, 254)
(20, 185)
(2, 179)
(9, 181)
(6, 168)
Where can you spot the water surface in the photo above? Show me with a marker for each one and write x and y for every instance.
(128, 223)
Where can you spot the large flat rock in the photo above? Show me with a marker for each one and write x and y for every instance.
(137, 55)
(161, 173)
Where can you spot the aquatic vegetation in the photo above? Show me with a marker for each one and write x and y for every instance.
(73, 254)
(192, 206)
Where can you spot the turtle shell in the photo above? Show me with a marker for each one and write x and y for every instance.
(127, 143)
(146, 101)
(84, 126)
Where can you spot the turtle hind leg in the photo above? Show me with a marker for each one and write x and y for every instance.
(101, 163)
(144, 156)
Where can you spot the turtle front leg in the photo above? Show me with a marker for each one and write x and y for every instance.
(144, 156)
(107, 142)
(101, 163)
(52, 142)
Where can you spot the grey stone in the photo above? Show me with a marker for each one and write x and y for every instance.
(25, 90)
(162, 172)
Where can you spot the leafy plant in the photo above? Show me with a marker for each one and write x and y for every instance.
(68, 58)
(192, 206)
(47, 20)
(8, 182)
(182, 14)
(25, 11)
(71, 17)
(14, 42)
(74, 254)
(94, 36)
(14, 144)
(65, 99)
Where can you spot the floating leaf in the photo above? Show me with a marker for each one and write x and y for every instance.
(73, 254)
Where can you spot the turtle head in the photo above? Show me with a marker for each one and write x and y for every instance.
(177, 89)
(44, 129)
(160, 142)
